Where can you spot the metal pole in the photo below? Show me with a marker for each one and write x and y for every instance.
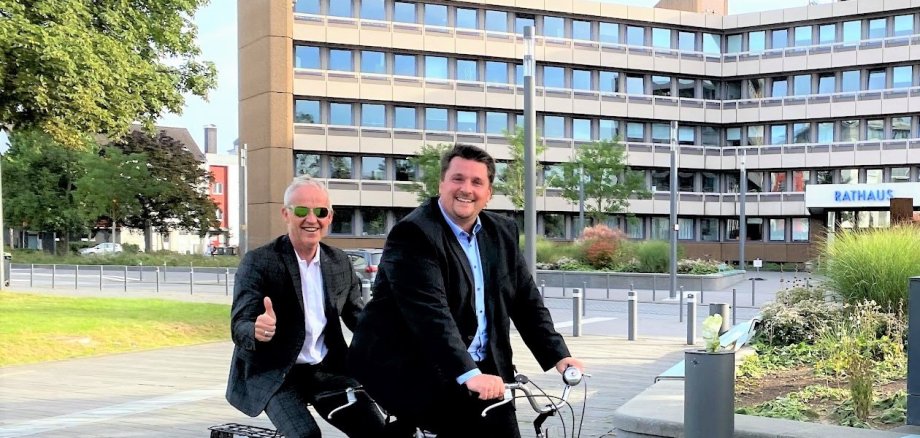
(577, 305)
(563, 284)
(632, 302)
(681, 304)
(608, 285)
(674, 226)
(721, 309)
(753, 291)
(530, 142)
(53, 274)
(734, 306)
(365, 291)
(227, 282)
(76, 277)
(913, 352)
(654, 288)
(158, 279)
(581, 200)
(31, 274)
(100, 277)
(191, 279)
(542, 288)
(244, 196)
(691, 319)
(141, 264)
(164, 272)
(126, 278)
(702, 300)
(742, 226)
(584, 309)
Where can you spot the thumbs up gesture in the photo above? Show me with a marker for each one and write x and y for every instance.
(265, 323)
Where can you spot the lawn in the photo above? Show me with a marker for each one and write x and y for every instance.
(37, 328)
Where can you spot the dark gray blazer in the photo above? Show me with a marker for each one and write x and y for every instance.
(258, 368)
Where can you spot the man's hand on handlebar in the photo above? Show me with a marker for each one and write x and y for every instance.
(488, 387)
(569, 362)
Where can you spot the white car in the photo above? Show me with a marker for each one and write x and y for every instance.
(102, 248)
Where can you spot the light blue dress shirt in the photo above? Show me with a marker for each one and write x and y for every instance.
(477, 348)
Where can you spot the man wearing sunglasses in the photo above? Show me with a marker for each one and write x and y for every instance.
(289, 299)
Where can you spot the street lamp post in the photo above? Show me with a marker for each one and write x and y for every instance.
(581, 200)
(530, 166)
(742, 226)
(674, 226)
(244, 211)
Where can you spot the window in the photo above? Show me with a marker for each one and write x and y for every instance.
(553, 226)
(307, 6)
(340, 9)
(732, 90)
(635, 228)
(686, 135)
(373, 221)
(876, 79)
(827, 83)
(661, 133)
(581, 129)
(635, 131)
(661, 38)
(404, 65)
(521, 21)
(635, 36)
(801, 85)
(710, 90)
(581, 30)
(755, 229)
(733, 136)
(661, 85)
(581, 80)
(554, 27)
(344, 221)
(777, 134)
(875, 129)
(712, 44)
(340, 114)
(777, 230)
(686, 88)
(467, 18)
(467, 121)
(661, 228)
(800, 229)
(219, 214)
(686, 41)
(824, 177)
(519, 74)
(903, 25)
(373, 115)
(551, 173)
(900, 174)
(801, 132)
(306, 164)
(852, 31)
(467, 70)
(757, 41)
(900, 127)
(777, 181)
(373, 10)
(609, 129)
(685, 182)
(849, 81)
(827, 33)
(553, 77)
(497, 21)
(803, 36)
(404, 12)
(731, 183)
(635, 84)
(755, 88)
(373, 62)
(878, 28)
(306, 57)
(436, 119)
(902, 77)
(436, 67)
(553, 127)
(373, 168)
(496, 123)
(710, 136)
(496, 72)
(306, 111)
(849, 176)
(755, 135)
(874, 176)
(340, 60)
(339, 168)
(609, 32)
(780, 88)
(435, 15)
(608, 81)
(710, 182)
(405, 171)
(800, 180)
(849, 130)
(709, 229)
(404, 118)
(685, 228)
(733, 43)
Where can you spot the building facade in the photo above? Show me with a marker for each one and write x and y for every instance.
(819, 103)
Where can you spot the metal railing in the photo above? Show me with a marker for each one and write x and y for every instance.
(175, 279)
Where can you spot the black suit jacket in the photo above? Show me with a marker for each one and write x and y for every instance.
(258, 368)
(413, 337)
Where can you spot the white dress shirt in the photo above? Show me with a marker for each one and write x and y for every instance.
(311, 283)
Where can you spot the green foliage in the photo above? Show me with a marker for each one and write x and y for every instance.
(69, 67)
(796, 405)
(608, 181)
(795, 295)
(114, 183)
(793, 322)
(769, 358)
(127, 257)
(653, 256)
(511, 181)
(428, 161)
(697, 266)
(130, 248)
(872, 264)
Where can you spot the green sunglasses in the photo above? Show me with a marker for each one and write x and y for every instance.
(301, 211)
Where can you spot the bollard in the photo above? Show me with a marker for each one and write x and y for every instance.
(126, 278)
(100, 277)
(563, 284)
(753, 289)
(31, 274)
(158, 279)
(141, 264)
(164, 272)
(227, 282)
(584, 309)
(701, 291)
(654, 288)
(191, 279)
(691, 319)
(608, 285)
(734, 305)
(721, 309)
(542, 288)
(709, 394)
(577, 304)
(76, 277)
(681, 306)
(632, 304)
(365, 291)
(53, 272)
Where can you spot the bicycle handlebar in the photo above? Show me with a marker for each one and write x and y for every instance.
(570, 377)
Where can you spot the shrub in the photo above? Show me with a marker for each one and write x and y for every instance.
(872, 264)
(601, 231)
(697, 266)
(787, 324)
(653, 256)
(795, 295)
(131, 248)
(600, 253)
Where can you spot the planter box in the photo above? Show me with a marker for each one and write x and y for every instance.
(623, 280)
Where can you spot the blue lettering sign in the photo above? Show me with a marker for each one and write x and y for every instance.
(863, 195)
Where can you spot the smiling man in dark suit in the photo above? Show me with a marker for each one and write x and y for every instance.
(290, 350)
(451, 281)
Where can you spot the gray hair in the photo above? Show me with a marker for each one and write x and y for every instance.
(303, 181)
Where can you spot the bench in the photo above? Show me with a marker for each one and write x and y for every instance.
(234, 430)
(735, 338)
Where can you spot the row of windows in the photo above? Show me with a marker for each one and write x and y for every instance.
(378, 115)
(614, 33)
(380, 168)
(554, 76)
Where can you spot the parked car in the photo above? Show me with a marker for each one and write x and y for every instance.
(365, 262)
(102, 248)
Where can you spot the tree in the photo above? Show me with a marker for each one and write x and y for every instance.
(113, 182)
(177, 197)
(511, 181)
(608, 181)
(69, 67)
(428, 163)
(40, 177)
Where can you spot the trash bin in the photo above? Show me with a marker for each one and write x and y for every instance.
(7, 261)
